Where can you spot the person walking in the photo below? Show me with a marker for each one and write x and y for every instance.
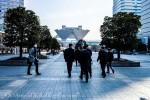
(69, 58)
(84, 62)
(33, 59)
(102, 56)
(77, 55)
(110, 58)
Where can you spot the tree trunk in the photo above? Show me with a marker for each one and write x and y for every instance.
(39, 51)
(118, 54)
(11, 50)
(20, 51)
(21, 42)
(28, 49)
(118, 50)
(2, 50)
(51, 50)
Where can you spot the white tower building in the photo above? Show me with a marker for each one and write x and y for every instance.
(75, 33)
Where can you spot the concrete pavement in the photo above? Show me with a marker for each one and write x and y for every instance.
(126, 84)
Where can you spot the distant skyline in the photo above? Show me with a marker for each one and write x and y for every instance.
(88, 13)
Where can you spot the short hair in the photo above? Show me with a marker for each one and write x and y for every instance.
(84, 47)
(70, 45)
(102, 47)
(109, 48)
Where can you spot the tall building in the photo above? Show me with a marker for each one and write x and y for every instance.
(145, 19)
(6, 4)
(133, 6)
(130, 6)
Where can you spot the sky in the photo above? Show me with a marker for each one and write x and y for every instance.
(72, 13)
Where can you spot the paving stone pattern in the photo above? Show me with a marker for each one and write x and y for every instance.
(126, 84)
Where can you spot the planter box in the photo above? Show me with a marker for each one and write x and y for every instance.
(13, 63)
(126, 64)
(42, 57)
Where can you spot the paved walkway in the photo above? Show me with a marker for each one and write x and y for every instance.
(126, 84)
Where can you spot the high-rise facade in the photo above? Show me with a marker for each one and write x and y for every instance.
(6, 4)
(133, 6)
(145, 18)
(130, 6)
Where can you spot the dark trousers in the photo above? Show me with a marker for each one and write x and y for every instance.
(69, 67)
(76, 62)
(90, 68)
(84, 69)
(36, 67)
(103, 69)
(109, 66)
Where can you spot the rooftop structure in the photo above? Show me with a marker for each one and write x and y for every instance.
(74, 33)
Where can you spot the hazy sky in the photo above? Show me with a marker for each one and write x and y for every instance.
(88, 13)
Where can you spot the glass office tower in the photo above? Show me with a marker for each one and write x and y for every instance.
(133, 6)
(5, 4)
(145, 18)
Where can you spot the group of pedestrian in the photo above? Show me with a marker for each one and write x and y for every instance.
(83, 57)
(85, 63)
(105, 59)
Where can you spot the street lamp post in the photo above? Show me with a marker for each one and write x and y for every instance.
(147, 47)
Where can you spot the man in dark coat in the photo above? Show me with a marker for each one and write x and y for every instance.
(69, 58)
(84, 62)
(110, 58)
(102, 56)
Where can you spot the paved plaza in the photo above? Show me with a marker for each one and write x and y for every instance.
(128, 83)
